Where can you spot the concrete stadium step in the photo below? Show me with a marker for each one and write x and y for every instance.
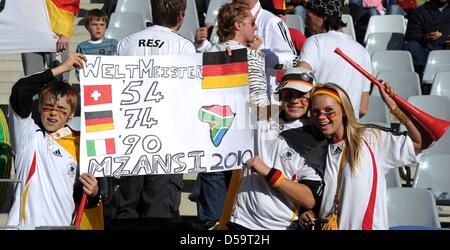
(4, 99)
(12, 57)
(10, 65)
(187, 207)
(89, 6)
(11, 76)
(6, 86)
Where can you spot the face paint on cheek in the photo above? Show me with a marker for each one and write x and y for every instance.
(305, 102)
(332, 117)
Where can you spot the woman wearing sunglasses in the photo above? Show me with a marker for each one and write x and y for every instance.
(359, 157)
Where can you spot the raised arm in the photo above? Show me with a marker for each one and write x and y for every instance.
(22, 93)
(413, 130)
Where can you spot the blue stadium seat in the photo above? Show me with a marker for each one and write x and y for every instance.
(142, 7)
(405, 83)
(377, 112)
(433, 174)
(437, 61)
(441, 84)
(392, 60)
(385, 23)
(385, 41)
(190, 23)
(412, 207)
(131, 20)
(296, 22)
(213, 10)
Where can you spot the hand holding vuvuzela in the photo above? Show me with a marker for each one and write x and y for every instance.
(436, 127)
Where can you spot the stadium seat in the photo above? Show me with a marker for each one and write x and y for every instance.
(406, 84)
(385, 23)
(393, 179)
(442, 146)
(213, 10)
(140, 6)
(438, 61)
(433, 174)
(119, 33)
(412, 207)
(131, 20)
(441, 84)
(350, 28)
(190, 24)
(214, 37)
(392, 60)
(377, 112)
(296, 22)
(385, 41)
(437, 106)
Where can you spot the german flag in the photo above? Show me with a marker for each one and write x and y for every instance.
(223, 71)
(62, 15)
(99, 121)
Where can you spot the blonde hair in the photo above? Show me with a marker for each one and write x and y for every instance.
(229, 14)
(353, 129)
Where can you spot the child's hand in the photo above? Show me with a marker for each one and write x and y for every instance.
(90, 185)
(73, 60)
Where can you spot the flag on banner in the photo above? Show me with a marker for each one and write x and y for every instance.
(99, 121)
(223, 71)
(62, 15)
(101, 147)
(97, 94)
(219, 118)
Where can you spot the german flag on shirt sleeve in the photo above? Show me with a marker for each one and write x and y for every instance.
(223, 71)
(62, 15)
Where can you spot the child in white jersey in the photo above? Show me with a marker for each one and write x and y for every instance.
(46, 153)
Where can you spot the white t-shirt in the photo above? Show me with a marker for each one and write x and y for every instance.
(276, 44)
(327, 66)
(259, 206)
(155, 40)
(390, 151)
(47, 171)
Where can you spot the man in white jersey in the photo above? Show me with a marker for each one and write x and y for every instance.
(160, 38)
(325, 23)
(154, 196)
(285, 176)
(46, 154)
(276, 42)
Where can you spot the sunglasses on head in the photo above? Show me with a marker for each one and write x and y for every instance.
(303, 76)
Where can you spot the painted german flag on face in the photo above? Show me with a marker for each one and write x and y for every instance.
(99, 121)
(223, 71)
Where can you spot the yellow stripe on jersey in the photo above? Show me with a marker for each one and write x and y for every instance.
(24, 202)
(71, 143)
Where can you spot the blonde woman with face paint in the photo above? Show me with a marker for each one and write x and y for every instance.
(359, 157)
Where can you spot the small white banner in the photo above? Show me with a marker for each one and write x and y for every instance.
(156, 115)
